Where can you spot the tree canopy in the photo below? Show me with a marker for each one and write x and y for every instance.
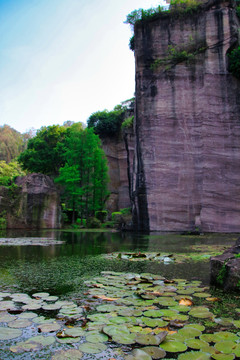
(11, 143)
(44, 153)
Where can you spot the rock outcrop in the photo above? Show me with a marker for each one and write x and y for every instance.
(34, 204)
(119, 152)
(187, 126)
(225, 269)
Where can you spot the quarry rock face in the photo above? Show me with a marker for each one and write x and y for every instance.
(187, 122)
(35, 204)
(119, 152)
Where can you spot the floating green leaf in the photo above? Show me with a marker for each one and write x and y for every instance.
(92, 348)
(9, 333)
(194, 355)
(173, 346)
(72, 354)
(154, 352)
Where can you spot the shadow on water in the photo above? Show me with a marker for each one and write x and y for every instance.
(61, 269)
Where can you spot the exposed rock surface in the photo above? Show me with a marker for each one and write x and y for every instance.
(119, 152)
(187, 125)
(225, 268)
(34, 204)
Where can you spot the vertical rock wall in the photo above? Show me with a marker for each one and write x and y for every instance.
(119, 152)
(35, 204)
(187, 124)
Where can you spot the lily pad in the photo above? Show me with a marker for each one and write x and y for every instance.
(173, 346)
(9, 333)
(27, 315)
(194, 355)
(72, 354)
(68, 340)
(153, 313)
(149, 339)
(126, 339)
(112, 330)
(196, 344)
(5, 317)
(223, 356)
(41, 295)
(154, 322)
(45, 328)
(75, 332)
(20, 323)
(225, 335)
(23, 347)
(195, 326)
(92, 348)
(51, 307)
(190, 333)
(138, 354)
(96, 337)
(155, 352)
(43, 340)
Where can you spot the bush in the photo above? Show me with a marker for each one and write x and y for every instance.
(126, 211)
(3, 221)
(81, 222)
(116, 215)
(234, 62)
(93, 223)
(128, 123)
(101, 215)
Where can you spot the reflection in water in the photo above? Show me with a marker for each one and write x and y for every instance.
(62, 268)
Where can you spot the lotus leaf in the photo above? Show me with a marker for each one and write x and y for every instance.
(49, 327)
(107, 308)
(190, 333)
(226, 347)
(9, 333)
(75, 332)
(43, 340)
(27, 315)
(194, 355)
(225, 335)
(195, 326)
(42, 295)
(96, 337)
(208, 338)
(236, 323)
(201, 312)
(181, 308)
(196, 344)
(51, 298)
(126, 339)
(47, 307)
(148, 339)
(236, 350)
(223, 356)
(153, 313)
(19, 323)
(68, 340)
(32, 306)
(173, 346)
(72, 354)
(154, 322)
(138, 354)
(139, 329)
(7, 305)
(202, 295)
(167, 301)
(154, 352)
(169, 313)
(23, 347)
(98, 318)
(118, 320)
(92, 348)
(5, 317)
(115, 330)
(175, 337)
(42, 320)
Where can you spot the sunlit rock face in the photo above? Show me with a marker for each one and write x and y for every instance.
(35, 205)
(119, 152)
(187, 124)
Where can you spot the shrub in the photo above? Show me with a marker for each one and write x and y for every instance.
(3, 221)
(128, 123)
(93, 223)
(234, 62)
(126, 211)
(101, 215)
(116, 215)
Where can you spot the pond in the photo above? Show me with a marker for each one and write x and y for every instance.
(62, 268)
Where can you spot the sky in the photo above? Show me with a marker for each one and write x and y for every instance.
(64, 59)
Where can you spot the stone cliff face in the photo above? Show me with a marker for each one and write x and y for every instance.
(35, 203)
(187, 124)
(119, 152)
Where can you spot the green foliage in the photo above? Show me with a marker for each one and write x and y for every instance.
(107, 123)
(221, 275)
(126, 211)
(116, 215)
(44, 153)
(101, 215)
(3, 221)
(11, 143)
(143, 15)
(9, 171)
(132, 43)
(238, 11)
(180, 53)
(184, 6)
(234, 62)
(237, 256)
(128, 123)
(85, 173)
(93, 223)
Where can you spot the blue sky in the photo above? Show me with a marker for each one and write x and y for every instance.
(64, 59)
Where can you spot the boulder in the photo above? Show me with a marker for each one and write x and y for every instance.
(225, 269)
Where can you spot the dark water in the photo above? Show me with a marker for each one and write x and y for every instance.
(62, 269)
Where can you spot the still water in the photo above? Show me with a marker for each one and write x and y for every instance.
(61, 269)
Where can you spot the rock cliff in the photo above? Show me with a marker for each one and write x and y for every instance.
(187, 125)
(119, 152)
(34, 204)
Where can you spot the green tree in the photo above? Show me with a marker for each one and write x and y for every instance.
(11, 143)
(44, 153)
(84, 175)
(9, 171)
